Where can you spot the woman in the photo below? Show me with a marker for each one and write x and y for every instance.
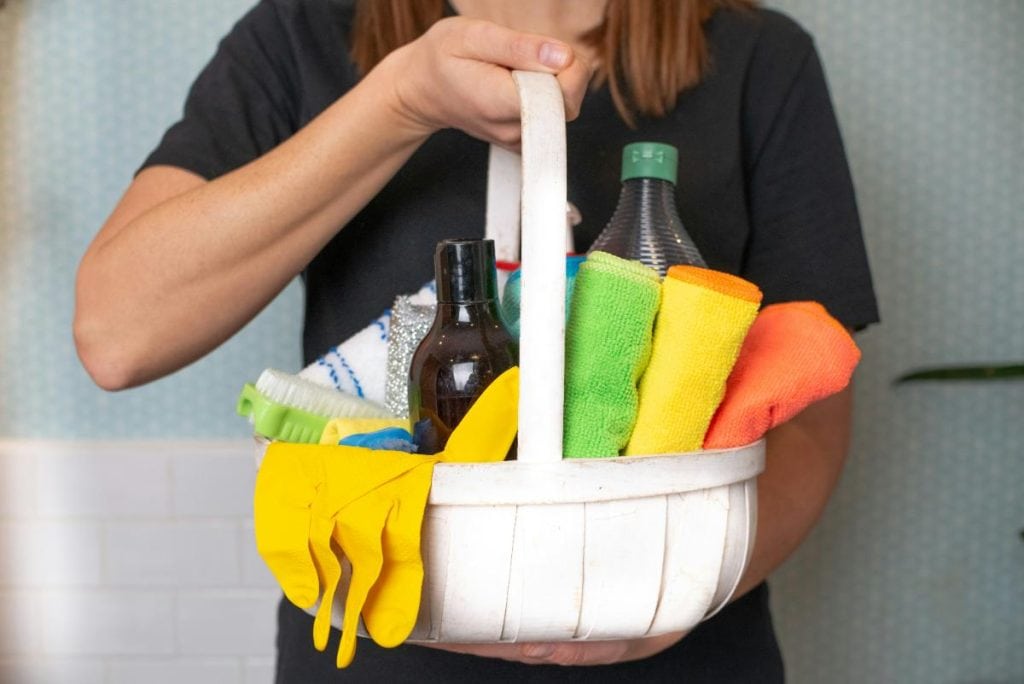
(342, 142)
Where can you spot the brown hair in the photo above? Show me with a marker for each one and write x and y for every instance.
(648, 51)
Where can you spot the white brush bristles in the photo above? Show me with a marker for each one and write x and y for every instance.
(291, 390)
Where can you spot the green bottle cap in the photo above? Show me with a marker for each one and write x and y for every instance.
(650, 160)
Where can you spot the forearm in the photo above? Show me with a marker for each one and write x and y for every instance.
(805, 457)
(158, 289)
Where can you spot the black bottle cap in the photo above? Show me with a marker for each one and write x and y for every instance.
(465, 271)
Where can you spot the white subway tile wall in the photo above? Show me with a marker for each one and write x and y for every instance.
(95, 480)
(21, 621)
(128, 562)
(203, 554)
(258, 671)
(54, 671)
(17, 487)
(226, 622)
(200, 671)
(213, 484)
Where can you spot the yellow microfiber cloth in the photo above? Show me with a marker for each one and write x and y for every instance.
(369, 504)
(338, 429)
(795, 354)
(607, 347)
(703, 319)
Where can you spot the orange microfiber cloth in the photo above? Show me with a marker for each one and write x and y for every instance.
(794, 354)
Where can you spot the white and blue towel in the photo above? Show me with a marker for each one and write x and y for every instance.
(358, 366)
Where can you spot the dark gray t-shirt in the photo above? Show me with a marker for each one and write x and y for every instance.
(764, 189)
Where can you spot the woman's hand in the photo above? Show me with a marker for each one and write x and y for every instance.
(569, 652)
(458, 75)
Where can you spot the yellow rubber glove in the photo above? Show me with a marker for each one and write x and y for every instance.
(370, 503)
(362, 540)
(300, 490)
(358, 533)
(392, 604)
(286, 485)
(488, 428)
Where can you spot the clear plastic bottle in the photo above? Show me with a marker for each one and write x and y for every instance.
(646, 225)
(467, 347)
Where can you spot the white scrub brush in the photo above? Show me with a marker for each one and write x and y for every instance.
(288, 408)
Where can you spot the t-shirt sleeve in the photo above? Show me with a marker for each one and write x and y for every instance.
(806, 240)
(240, 106)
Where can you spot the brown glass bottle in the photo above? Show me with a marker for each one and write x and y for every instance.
(467, 347)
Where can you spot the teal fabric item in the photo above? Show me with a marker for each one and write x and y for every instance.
(510, 295)
(607, 347)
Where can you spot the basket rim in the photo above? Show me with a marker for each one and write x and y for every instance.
(586, 480)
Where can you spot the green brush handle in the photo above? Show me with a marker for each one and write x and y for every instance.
(277, 421)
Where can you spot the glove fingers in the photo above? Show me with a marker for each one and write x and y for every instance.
(359, 530)
(283, 496)
(330, 569)
(392, 605)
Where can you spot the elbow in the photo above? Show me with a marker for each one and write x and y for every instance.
(101, 357)
(122, 339)
(120, 354)
(104, 353)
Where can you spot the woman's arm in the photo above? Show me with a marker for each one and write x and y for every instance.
(804, 459)
(182, 264)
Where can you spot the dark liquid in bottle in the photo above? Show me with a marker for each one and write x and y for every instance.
(467, 347)
(453, 365)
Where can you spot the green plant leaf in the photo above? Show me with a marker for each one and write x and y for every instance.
(963, 373)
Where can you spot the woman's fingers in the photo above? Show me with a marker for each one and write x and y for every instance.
(569, 652)
(458, 75)
(495, 44)
(574, 82)
(487, 42)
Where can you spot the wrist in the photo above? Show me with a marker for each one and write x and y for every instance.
(385, 80)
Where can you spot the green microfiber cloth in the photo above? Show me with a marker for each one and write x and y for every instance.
(607, 347)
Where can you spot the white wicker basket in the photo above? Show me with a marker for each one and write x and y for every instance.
(596, 549)
(582, 549)
(546, 549)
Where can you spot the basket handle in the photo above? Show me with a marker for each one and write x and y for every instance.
(540, 185)
(504, 190)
